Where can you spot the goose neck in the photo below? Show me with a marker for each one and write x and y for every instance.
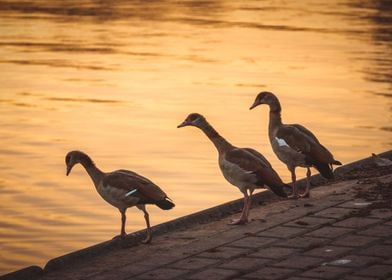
(93, 171)
(219, 142)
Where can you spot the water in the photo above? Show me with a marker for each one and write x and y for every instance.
(115, 78)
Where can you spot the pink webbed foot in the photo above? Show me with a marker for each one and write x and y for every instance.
(148, 236)
(305, 194)
(293, 196)
(147, 240)
(120, 236)
(238, 222)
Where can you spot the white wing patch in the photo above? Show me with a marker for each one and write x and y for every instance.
(281, 142)
(131, 192)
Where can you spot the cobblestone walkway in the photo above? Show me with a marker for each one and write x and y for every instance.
(342, 232)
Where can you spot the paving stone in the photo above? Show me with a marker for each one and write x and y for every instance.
(299, 262)
(354, 240)
(108, 275)
(133, 269)
(65, 277)
(194, 263)
(282, 232)
(389, 261)
(244, 264)
(252, 242)
(89, 271)
(303, 242)
(301, 278)
(310, 222)
(356, 222)
(381, 213)
(355, 277)
(224, 252)
(355, 204)
(329, 232)
(270, 273)
(378, 271)
(161, 274)
(334, 212)
(388, 241)
(377, 251)
(160, 259)
(328, 251)
(213, 273)
(355, 261)
(326, 272)
(378, 230)
(274, 252)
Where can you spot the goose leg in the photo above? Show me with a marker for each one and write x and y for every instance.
(123, 234)
(294, 193)
(251, 190)
(147, 218)
(306, 193)
(243, 218)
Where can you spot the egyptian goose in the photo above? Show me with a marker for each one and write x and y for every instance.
(295, 145)
(122, 189)
(244, 168)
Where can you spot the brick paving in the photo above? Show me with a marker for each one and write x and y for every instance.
(334, 234)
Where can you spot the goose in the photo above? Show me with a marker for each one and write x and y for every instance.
(244, 168)
(122, 189)
(295, 145)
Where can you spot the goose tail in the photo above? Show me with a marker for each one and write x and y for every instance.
(324, 169)
(165, 204)
(280, 190)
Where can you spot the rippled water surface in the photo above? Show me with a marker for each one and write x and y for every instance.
(114, 78)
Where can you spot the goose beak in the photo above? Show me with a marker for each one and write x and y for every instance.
(255, 104)
(68, 170)
(184, 123)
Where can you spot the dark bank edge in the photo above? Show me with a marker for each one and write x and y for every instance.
(204, 216)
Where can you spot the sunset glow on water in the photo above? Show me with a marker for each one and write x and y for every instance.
(115, 78)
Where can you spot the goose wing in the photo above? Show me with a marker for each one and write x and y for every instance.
(131, 182)
(304, 141)
(252, 162)
(259, 157)
(306, 131)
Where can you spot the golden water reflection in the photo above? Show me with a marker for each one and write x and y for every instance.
(115, 78)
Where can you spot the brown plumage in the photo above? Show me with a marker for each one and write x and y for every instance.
(245, 168)
(122, 189)
(294, 144)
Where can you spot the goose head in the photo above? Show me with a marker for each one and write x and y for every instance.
(72, 158)
(193, 119)
(265, 97)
